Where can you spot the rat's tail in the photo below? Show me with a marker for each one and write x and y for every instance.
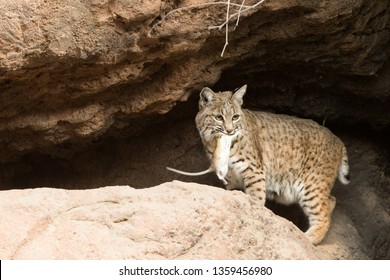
(190, 173)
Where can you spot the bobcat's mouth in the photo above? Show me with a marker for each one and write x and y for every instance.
(229, 133)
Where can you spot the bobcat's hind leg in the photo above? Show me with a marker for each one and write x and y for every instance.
(318, 209)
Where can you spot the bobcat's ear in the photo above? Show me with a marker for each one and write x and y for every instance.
(239, 94)
(206, 97)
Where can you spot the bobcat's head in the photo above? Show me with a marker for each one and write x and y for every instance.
(220, 111)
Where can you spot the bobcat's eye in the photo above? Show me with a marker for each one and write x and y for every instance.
(235, 117)
(219, 117)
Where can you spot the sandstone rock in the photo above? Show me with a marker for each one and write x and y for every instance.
(175, 220)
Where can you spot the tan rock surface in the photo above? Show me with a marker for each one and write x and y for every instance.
(175, 220)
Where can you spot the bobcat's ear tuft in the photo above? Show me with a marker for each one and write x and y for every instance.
(239, 94)
(206, 97)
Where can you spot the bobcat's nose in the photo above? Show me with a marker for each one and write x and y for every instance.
(229, 130)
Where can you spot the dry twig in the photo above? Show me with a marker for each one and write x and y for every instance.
(239, 13)
(242, 8)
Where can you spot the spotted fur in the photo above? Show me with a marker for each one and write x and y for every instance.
(278, 157)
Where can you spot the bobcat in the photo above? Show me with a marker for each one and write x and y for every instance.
(278, 157)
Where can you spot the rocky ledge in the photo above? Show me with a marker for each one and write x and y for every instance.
(174, 220)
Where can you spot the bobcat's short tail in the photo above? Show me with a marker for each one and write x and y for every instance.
(344, 168)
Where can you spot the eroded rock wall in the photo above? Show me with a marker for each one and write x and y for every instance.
(72, 72)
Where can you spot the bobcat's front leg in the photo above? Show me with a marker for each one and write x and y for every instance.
(254, 181)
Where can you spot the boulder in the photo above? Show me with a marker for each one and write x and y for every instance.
(174, 220)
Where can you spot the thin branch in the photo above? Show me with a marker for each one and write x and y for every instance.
(227, 28)
(324, 121)
(239, 13)
(191, 7)
(242, 8)
(236, 14)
